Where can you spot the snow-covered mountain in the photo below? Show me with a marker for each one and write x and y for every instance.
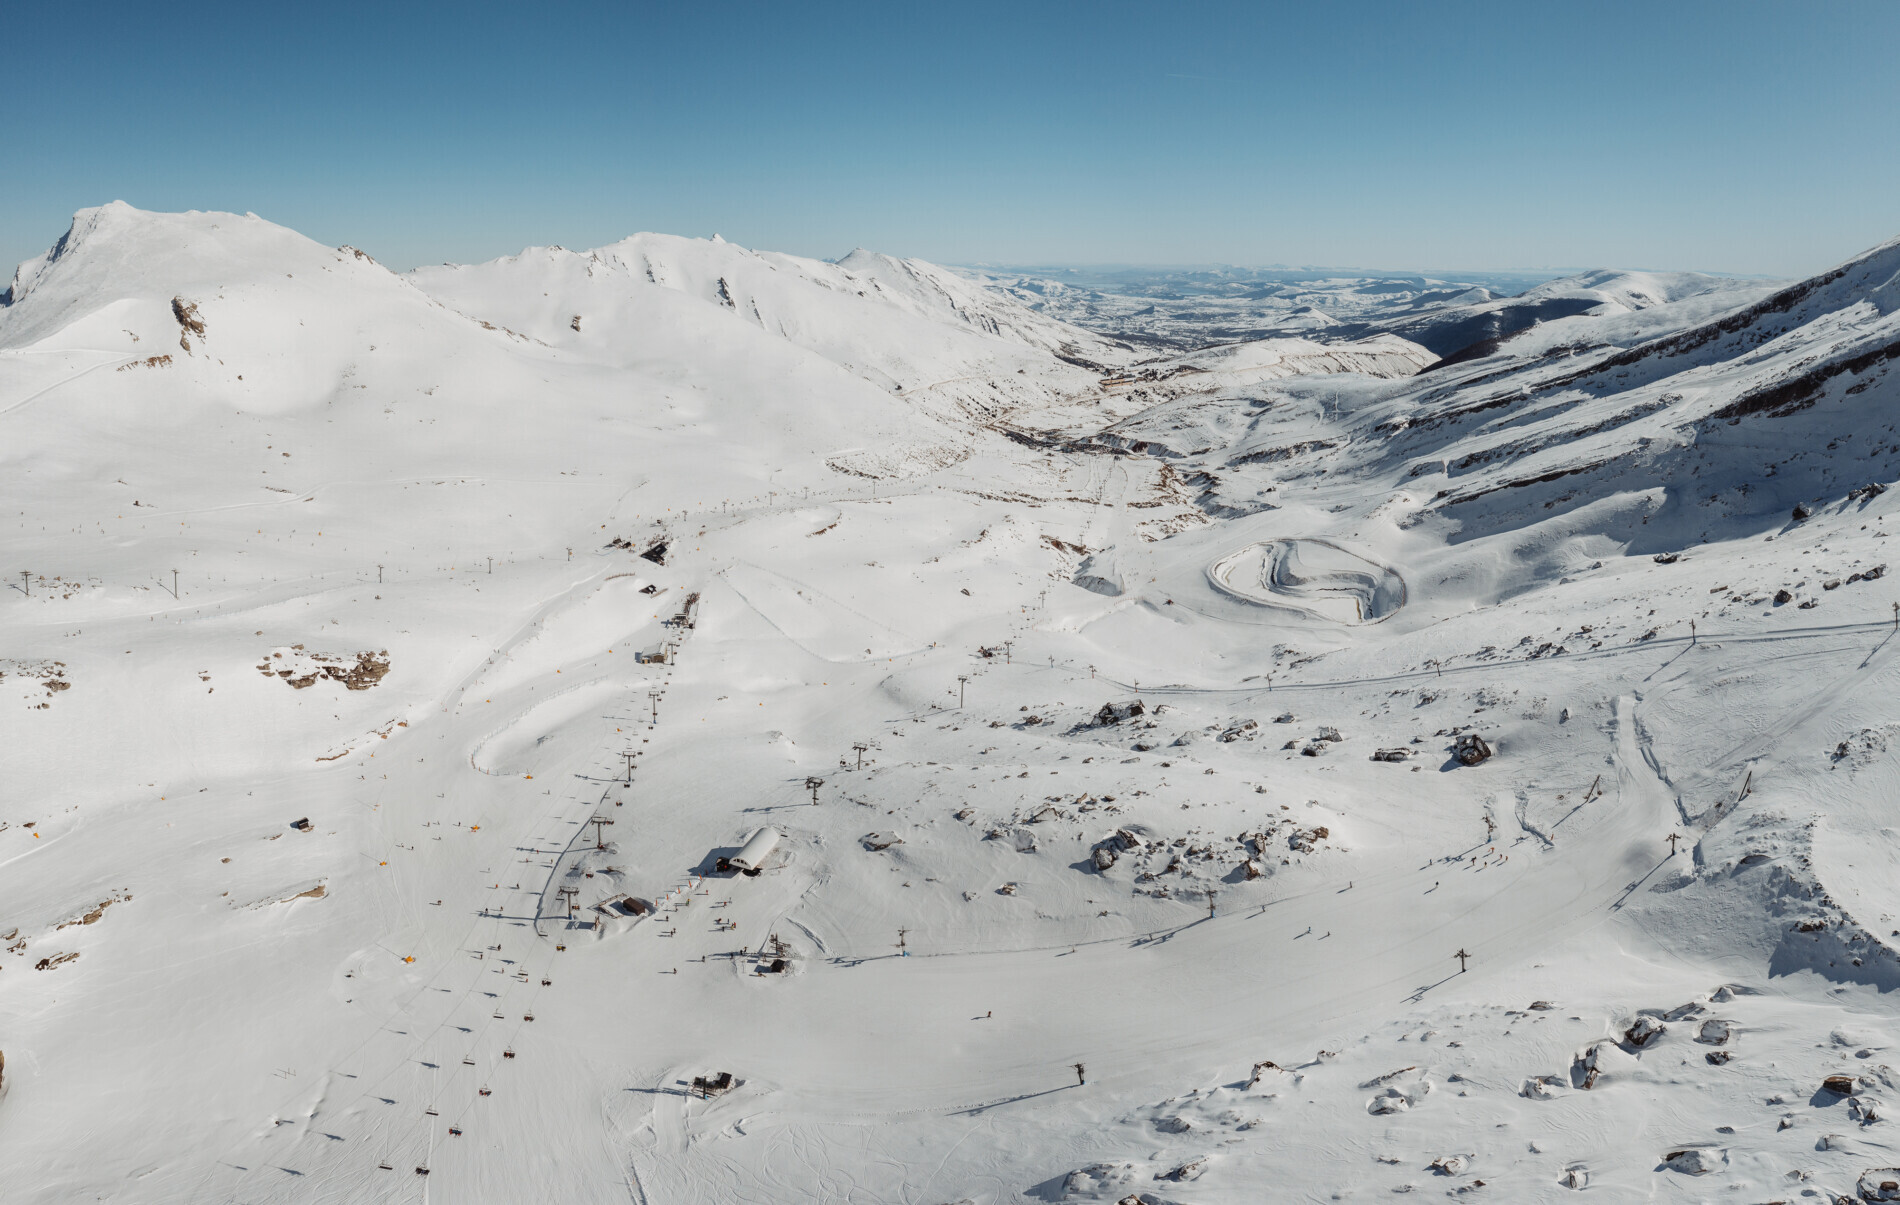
(680, 723)
(904, 325)
(1171, 311)
(1457, 329)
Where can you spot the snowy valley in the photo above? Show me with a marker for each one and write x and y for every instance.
(867, 731)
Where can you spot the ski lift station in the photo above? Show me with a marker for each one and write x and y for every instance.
(759, 847)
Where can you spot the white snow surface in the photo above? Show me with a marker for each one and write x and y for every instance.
(299, 893)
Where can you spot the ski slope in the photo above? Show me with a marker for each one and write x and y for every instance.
(307, 848)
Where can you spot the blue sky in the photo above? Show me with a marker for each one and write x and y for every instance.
(1735, 136)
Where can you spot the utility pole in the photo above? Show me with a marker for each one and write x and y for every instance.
(1461, 956)
(1079, 1081)
(26, 581)
(900, 943)
(1673, 838)
(1210, 905)
(860, 747)
(962, 679)
(599, 823)
(812, 783)
(491, 566)
(1007, 643)
(174, 583)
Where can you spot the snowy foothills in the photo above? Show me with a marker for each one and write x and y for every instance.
(675, 724)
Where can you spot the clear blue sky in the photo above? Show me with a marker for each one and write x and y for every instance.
(1731, 136)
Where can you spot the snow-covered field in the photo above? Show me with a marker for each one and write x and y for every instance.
(702, 541)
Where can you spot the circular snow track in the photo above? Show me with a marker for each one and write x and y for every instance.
(1315, 577)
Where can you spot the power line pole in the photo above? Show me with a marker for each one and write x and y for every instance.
(900, 943)
(26, 581)
(1673, 838)
(1461, 956)
(962, 680)
(1210, 905)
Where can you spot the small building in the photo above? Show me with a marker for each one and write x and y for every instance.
(759, 847)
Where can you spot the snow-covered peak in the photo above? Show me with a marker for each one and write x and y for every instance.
(1634, 290)
(906, 326)
(133, 262)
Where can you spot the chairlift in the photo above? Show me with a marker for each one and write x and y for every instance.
(527, 1016)
(385, 1167)
(455, 1131)
(432, 1112)
(483, 1091)
(547, 983)
(422, 1171)
(507, 1054)
(498, 1015)
(468, 1062)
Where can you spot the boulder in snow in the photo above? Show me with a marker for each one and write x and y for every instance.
(1471, 749)
(1602, 1061)
(1879, 1184)
(1645, 1031)
(1694, 1161)
(1090, 1180)
(1115, 713)
(1191, 1170)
